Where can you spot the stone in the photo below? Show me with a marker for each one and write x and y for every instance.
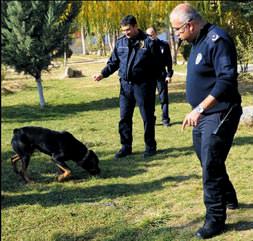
(71, 73)
(247, 116)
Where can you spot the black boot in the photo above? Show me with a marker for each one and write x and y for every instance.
(124, 151)
(210, 229)
(150, 151)
(231, 199)
(166, 122)
(232, 204)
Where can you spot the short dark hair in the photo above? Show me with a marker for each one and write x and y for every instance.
(128, 20)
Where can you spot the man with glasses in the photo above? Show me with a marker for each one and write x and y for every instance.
(137, 58)
(181, 29)
(166, 74)
(211, 90)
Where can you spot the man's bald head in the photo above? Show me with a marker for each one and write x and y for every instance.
(151, 31)
(184, 12)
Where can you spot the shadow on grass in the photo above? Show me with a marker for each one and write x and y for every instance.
(240, 226)
(61, 196)
(151, 230)
(244, 140)
(171, 124)
(126, 233)
(246, 205)
(42, 170)
(136, 164)
(25, 113)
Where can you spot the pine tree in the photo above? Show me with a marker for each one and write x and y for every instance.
(33, 33)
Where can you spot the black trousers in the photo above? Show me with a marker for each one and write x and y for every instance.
(144, 95)
(162, 88)
(212, 146)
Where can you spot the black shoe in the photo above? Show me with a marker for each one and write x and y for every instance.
(209, 230)
(124, 151)
(232, 204)
(166, 122)
(149, 152)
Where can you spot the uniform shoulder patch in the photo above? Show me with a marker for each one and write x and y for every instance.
(213, 36)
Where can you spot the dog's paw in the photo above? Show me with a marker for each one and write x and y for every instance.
(30, 182)
(63, 177)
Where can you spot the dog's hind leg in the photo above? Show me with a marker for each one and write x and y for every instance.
(14, 160)
(23, 172)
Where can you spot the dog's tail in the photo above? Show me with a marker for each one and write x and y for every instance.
(19, 136)
(19, 132)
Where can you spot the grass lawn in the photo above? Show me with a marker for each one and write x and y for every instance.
(133, 199)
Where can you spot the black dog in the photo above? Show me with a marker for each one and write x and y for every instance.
(61, 146)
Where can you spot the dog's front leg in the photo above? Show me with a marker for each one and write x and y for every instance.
(65, 175)
(60, 163)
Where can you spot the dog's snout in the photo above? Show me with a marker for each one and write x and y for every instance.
(95, 172)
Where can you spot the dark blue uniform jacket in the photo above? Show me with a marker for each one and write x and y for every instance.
(212, 69)
(137, 59)
(165, 58)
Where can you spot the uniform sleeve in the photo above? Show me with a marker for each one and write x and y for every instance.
(168, 61)
(156, 57)
(112, 64)
(225, 66)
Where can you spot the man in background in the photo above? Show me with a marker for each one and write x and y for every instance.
(166, 74)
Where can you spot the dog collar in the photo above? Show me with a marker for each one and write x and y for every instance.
(84, 158)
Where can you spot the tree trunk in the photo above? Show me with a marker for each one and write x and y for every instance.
(40, 91)
(83, 38)
(115, 37)
(110, 41)
(101, 48)
(104, 46)
(65, 59)
(173, 47)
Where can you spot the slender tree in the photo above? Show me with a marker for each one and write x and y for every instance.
(33, 34)
(83, 21)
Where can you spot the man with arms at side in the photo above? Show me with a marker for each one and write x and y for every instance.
(212, 91)
(166, 74)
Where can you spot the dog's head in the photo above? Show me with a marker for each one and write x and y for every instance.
(90, 163)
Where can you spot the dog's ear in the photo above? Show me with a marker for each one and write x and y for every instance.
(93, 155)
(91, 163)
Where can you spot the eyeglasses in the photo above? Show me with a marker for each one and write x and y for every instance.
(183, 25)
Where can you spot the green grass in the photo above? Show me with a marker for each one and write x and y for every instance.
(133, 199)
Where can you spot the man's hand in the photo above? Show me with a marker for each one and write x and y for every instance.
(191, 119)
(98, 77)
(168, 79)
